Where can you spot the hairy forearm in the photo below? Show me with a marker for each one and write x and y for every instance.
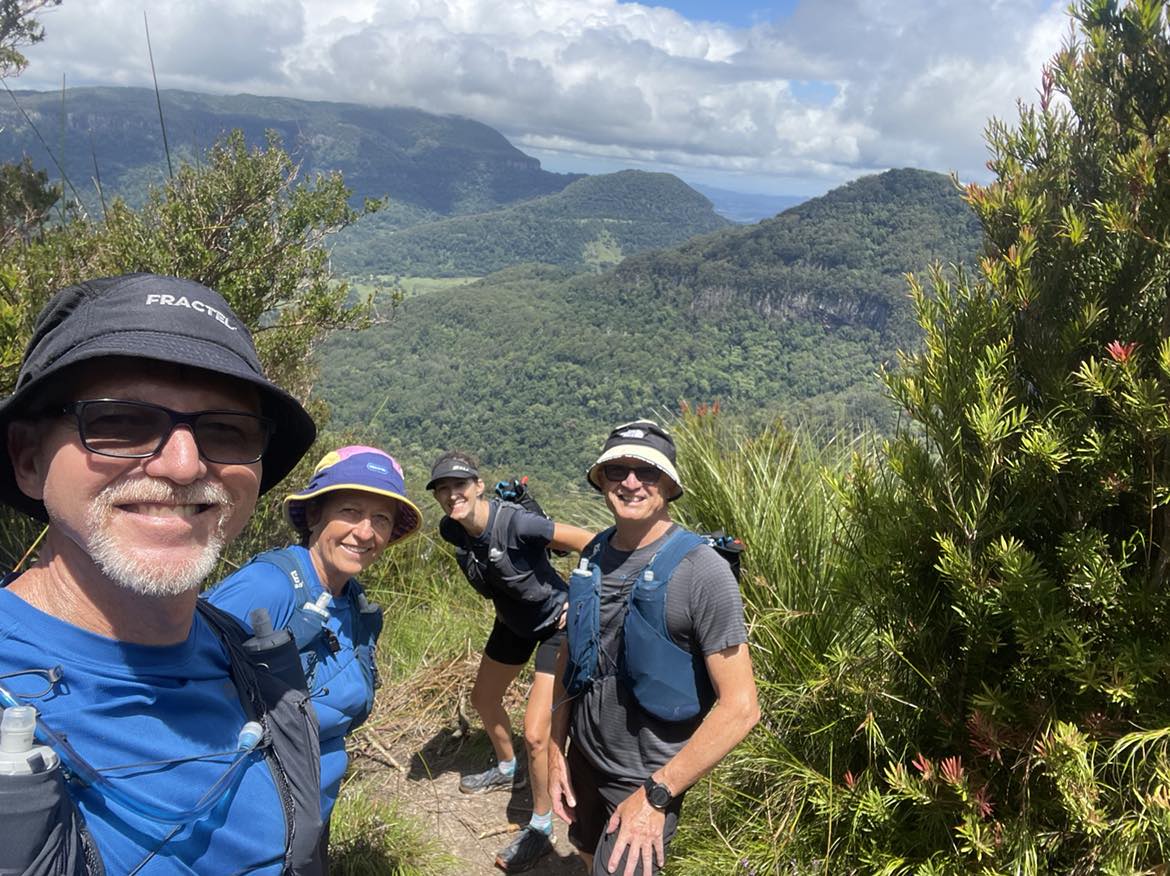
(725, 726)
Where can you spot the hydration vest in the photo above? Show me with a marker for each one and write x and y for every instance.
(667, 681)
(526, 590)
(314, 640)
(280, 702)
(45, 832)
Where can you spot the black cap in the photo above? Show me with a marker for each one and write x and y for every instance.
(147, 316)
(447, 467)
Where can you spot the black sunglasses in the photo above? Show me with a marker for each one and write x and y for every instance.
(136, 430)
(646, 474)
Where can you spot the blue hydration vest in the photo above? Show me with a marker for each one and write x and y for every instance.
(314, 639)
(667, 681)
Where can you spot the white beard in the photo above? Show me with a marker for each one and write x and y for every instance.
(143, 575)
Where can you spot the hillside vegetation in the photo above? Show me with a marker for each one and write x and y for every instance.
(429, 165)
(592, 223)
(531, 365)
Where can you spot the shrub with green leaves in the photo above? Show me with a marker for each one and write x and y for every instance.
(240, 221)
(991, 694)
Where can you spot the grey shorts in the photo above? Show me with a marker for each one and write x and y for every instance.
(597, 797)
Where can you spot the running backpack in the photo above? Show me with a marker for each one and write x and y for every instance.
(516, 491)
(527, 591)
(667, 681)
(310, 632)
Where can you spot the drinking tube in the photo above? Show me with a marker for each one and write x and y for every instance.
(247, 743)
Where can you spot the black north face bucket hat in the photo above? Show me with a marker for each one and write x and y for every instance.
(164, 319)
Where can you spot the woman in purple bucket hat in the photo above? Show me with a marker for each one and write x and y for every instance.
(354, 507)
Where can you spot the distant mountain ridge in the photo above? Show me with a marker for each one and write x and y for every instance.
(592, 223)
(791, 316)
(442, 165)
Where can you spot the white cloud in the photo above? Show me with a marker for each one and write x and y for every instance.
(914, 80)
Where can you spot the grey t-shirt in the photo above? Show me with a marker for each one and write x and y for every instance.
(704, 614)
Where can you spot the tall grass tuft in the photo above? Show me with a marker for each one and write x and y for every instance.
(372, 838)
(775, 489)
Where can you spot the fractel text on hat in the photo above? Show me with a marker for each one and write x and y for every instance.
(193, 304)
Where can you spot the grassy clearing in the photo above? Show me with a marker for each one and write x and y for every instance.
(411, 287)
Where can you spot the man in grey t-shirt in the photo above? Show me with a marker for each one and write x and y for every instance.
(621, 781)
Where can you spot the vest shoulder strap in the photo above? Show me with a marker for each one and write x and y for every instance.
(503, 523)
(289, 562)
(594, 548)
(680, 543)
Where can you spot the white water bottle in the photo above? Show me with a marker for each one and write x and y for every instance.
(20, 755)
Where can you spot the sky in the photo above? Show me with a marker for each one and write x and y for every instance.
(786, 98)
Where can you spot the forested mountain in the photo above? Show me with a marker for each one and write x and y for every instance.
(593, 222)
(429, 165)
(530, 366)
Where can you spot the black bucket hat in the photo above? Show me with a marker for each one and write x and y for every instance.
(164, 319)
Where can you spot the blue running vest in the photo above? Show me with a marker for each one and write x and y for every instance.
(667, 681)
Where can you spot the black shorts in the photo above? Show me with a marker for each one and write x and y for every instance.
(598, 796)
(505, 646)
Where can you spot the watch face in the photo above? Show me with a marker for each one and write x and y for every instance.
(659, 796)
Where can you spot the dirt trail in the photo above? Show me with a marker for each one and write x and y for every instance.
(414, 753)
(459, 820)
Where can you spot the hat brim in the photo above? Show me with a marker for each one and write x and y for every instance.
(636, 451)
(294, 434)
(461, 474)
(407, 521)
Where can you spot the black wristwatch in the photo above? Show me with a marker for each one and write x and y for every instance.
(657, 794)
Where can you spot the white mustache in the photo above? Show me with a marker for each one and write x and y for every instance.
(157, 491)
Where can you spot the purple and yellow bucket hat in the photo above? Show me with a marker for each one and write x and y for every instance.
(367, 469)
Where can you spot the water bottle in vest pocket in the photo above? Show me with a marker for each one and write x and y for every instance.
(584, 627)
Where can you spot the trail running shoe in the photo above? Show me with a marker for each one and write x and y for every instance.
(530, 845)
(492, 779)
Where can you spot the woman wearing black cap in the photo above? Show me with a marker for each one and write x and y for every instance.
(502, 550)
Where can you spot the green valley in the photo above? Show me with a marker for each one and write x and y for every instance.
(529, 366)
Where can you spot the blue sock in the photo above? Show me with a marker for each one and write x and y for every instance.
(507, 767)
(542, 822)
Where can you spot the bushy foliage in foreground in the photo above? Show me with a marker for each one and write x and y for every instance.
(993, 696)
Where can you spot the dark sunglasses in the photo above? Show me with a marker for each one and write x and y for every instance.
(646, 474)
(136, 430)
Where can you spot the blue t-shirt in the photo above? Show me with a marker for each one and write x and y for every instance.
(340, 688)
(122, 704)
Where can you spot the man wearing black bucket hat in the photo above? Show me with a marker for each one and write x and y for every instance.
(142, 430)
(658, 680)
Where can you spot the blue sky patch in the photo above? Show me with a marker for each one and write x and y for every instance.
(813, 91)
(738, 13)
